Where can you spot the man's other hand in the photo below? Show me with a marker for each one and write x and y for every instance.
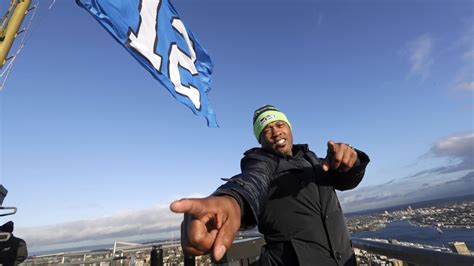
(210, 224)
(340, 157)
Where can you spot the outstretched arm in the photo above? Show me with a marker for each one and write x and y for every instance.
(250, 187)
(210, 224)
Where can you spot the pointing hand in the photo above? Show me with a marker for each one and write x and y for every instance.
(210, 224)
(340, 156)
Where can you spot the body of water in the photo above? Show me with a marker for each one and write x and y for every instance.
(408, 232)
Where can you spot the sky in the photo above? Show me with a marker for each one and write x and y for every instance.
(94, 149)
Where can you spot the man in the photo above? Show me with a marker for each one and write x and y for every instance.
(287, 191)
(13, 250)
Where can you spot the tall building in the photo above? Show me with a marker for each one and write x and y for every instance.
(459, 247)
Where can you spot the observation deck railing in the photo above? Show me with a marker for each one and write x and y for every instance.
(246, 252)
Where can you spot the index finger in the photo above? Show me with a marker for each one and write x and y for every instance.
(332, 147)
(192, 206)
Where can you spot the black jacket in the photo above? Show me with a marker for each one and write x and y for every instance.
(13, 250)
(295, 206)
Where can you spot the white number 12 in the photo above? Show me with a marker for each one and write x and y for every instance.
(146, 40)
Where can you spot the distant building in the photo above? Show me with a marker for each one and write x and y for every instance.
(459, 247)
(393, 241)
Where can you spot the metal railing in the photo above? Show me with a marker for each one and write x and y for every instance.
(247, 251)
(413, 255)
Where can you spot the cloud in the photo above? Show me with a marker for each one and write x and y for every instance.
(459, 145)
(468, 178)
(456, 178)
(126, 223)
(420, 56)
(320, 20)
(458, 148)
(469, 55)
(406, 191)
(465, 86)
(464, 79)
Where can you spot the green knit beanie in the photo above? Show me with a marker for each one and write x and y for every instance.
(264, 116)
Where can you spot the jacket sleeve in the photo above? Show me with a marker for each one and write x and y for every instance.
(249, 188)
(351, 178)
(22, 252)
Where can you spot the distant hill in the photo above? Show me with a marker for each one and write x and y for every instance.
(406, 190)
(420, 204)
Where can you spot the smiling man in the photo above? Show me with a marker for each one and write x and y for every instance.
(273, 130)
(284, 189)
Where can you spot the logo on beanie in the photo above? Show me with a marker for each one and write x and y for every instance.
(266, 118)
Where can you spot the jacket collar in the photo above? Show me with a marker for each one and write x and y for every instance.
(296, 148)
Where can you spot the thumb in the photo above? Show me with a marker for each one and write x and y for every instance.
(325, 165)
(192, 206)
(224, 239)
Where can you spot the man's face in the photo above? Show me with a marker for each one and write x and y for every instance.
(277, 137)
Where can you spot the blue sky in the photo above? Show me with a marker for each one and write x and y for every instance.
(87, 135)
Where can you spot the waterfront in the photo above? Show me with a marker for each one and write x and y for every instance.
(428, 226)
(402, 230)
(405, 231)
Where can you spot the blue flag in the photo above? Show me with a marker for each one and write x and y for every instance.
(152, 32)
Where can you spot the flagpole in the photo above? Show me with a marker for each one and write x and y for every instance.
(8, 35)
